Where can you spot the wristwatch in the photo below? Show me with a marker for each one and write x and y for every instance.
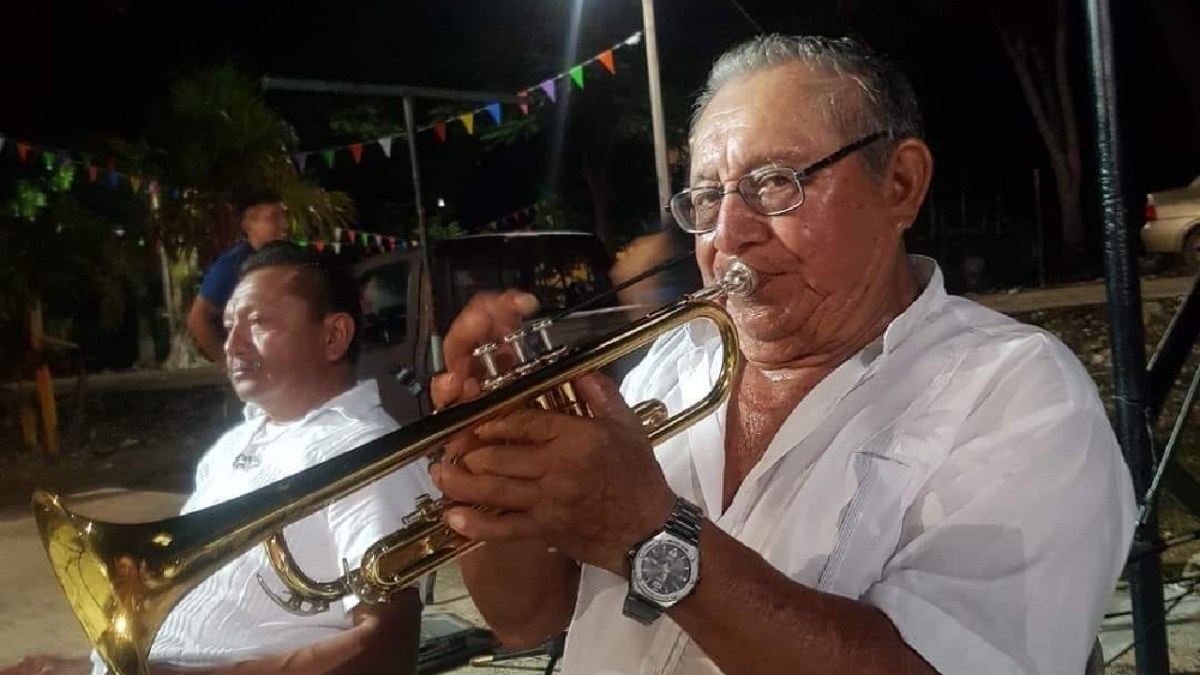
(665, 568)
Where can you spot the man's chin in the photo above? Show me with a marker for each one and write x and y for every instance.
(244, 385)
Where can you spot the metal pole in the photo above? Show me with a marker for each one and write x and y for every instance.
(435, 339)
(1126, 333)
(393, 90)
(656, 113)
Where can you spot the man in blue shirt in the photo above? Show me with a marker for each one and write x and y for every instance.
(263, 220)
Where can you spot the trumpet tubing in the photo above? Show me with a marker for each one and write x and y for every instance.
(123, 579)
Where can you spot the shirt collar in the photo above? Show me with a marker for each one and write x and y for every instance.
(353, 403)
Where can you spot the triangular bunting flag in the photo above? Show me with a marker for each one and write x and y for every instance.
(548, 89)
(363, 236)
(320, 245)
(350, 234)
(523, 96)
(135, 182)
(386, 145)
(301, 160)
(174, 193)
(468, 121)
(494, 110)
(153, 187)
(439, 130)
(337, 247)
(392, 243)
(113, 179)
(48, 160)
(92, 171)
(577, 76)
(302, 243)
(356, 152)
(337, 234)
(379, 240)
(606, 59)
(328, 158)
(22, 151)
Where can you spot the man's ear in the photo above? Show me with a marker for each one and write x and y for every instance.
(339, 333)
(907, 181)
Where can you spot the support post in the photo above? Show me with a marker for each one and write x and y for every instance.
(1128, 343)
(435, 339)
(657, 122)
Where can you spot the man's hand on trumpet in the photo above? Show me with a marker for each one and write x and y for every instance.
(589, 487)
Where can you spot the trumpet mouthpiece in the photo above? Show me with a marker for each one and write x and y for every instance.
(740, 279)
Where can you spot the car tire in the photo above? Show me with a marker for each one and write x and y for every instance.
(1191, 250)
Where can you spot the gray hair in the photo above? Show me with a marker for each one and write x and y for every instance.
(885, 98)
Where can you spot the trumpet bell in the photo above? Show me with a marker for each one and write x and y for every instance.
(120, 599)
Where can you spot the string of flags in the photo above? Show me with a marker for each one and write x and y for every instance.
(373, 241)
(547, 90)
(53, 158)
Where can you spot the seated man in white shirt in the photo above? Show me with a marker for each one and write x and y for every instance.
(902, 481)
(292, 342)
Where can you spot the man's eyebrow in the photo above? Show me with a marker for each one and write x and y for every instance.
(795, 159)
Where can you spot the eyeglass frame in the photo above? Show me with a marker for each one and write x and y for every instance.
(798, 175)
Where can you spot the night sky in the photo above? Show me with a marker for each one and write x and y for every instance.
(73, 71)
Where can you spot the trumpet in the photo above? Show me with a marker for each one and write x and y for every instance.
(122, 580)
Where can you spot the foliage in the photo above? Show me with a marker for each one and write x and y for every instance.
(58, 252)
(217, 137)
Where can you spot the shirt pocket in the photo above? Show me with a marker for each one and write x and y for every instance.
(870, 524)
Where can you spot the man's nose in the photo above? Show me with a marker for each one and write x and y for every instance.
(236, 340)
(738, 225)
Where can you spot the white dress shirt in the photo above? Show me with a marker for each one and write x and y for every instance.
(959, 474)
(228, 617)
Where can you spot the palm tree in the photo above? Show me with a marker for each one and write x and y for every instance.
(216, 137)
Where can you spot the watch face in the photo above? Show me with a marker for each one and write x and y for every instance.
(665, 569)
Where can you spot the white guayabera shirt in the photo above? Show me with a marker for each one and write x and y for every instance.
(228, 617)
(959, 474)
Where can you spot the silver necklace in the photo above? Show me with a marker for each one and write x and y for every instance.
(246, 459)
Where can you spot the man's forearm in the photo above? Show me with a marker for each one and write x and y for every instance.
(525, 593)
(742, 605)
(210, 342)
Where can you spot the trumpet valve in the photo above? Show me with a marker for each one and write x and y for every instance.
(486, 353)
(426, 511)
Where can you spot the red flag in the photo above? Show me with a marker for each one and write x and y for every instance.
(356, 152)
(440, 130)
(606, 58)
(93, 170)
(320, 245)
(523, 96)
(392, 243)
(22, 151)
(351, 233)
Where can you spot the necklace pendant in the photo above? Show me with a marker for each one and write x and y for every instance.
(245, 461)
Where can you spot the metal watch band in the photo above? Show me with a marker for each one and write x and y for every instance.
(684, 521)
(641, 610)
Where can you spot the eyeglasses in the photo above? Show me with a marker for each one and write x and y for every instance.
(769, 191)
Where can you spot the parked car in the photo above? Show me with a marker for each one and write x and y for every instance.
(560, 268)
(1173, 223)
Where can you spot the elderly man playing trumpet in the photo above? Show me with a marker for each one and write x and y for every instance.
(901, 481)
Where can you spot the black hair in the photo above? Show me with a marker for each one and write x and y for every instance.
(326, 283)
(246, 199)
